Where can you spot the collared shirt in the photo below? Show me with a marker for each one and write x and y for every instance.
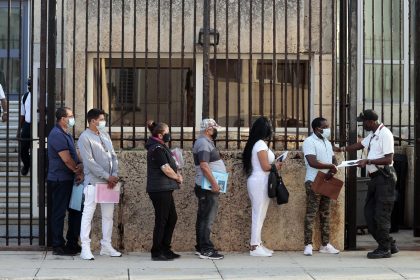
(25, 108)
(204, 150)
(58, 141)
(381, 144)
(322, 149)
(98, 156)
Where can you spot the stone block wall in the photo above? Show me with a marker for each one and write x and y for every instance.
(283, 227)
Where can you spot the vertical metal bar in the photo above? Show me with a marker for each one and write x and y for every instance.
(32, 7)
(250, 67)
(146, 62)
(238, 79)
(21, 70)
(262, 65)
(7, 86)
(227, 75)
(410, 8)
(333, 76)
(206, 49)
(351, 194)
(364, 57)
(182, 72)
(309, 64)
(158, 63)
(42, 113)
(416, 221)
(274, 77)
(52, 55)
(62, 55)
(86, 64)
(122, 98)
(285, 72)
(98, 65)
(298, 82)
(343, 71)
(170, 68)
(135, 77)
(110, 64)
(382, 62)
(194, 68)
(320, 59)
(401, 50)
(392, 66)
(215, 64)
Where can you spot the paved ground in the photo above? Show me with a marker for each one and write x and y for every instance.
(283, 265)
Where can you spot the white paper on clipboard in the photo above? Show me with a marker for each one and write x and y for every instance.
(282, 157)
(348, 163)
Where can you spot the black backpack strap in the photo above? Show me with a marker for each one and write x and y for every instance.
(25, 96)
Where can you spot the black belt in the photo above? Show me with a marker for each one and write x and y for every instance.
(375, 174)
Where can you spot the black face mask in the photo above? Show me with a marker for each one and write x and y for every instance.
(214, 135)
(166, 137)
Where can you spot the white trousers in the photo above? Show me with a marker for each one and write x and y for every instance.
(107, 211)
(258, 194)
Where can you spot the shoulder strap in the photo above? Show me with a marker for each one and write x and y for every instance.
(25, 96)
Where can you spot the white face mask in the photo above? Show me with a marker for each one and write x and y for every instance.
(326, 132)
(101, 124)
(71, 122)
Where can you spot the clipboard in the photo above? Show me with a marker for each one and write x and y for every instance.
(330, 188)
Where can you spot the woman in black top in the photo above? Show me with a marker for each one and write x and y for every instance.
(162, 179)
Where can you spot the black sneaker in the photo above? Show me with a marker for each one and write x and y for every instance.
(24, 171)
(211, 255)
(379, 254)
(161, 258)
(171, 255)
(63, 251)
(394, 247)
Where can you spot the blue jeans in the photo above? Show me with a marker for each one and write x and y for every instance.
(208, 203)
(60, 198)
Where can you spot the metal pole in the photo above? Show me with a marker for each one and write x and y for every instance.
(351, 189)
(52, 53)
(416, 36)
(42, 97)
(206, 50)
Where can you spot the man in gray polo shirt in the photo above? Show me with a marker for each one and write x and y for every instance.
(207, 159)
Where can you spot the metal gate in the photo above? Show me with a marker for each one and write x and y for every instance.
(180, 60)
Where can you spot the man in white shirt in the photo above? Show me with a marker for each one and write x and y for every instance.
(24, 130)
(381, 188)
(319, 157)
(3, 102)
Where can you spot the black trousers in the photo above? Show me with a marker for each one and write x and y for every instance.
(378, 208)
(165, 221)
(60, 198)
(25, 144)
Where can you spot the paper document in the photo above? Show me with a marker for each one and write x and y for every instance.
(76, 197)
(282, 157)
(221, 179)
(105, 195)
(348, 163)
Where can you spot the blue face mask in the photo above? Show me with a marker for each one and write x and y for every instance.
(101, 125)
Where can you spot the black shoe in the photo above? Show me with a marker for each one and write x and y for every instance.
(161, 258)
(63, 251)
(211, 255)
(379, 254)
(171, 255)
(76, 249)
(24, 171)
(394, 247)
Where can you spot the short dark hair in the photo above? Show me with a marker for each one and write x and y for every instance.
(61, 113)
(317, 122)
(94, 114)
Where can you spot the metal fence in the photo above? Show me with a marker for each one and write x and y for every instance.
(177, 61)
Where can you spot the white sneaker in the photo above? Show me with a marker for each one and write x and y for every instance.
(107, 250)
(86, 254)
(328, 249)
(259, 252)
(266, 249)
(308, 250)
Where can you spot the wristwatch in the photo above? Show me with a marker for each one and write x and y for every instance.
(369, 161)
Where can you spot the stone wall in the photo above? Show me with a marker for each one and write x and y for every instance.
(283, 228)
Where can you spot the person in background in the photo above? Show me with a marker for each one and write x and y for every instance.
(207, 159)
(319, 156)
(257, 160)
(64, 168)
(162, 180)
(24, 129)
(100, 166)
(3, 102)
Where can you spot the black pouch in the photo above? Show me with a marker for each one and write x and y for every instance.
(388, 172)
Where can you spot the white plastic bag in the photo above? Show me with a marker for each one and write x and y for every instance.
(178, 157)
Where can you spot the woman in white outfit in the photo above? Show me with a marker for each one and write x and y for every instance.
(257, 160)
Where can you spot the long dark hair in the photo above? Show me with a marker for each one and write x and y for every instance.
(260, 130)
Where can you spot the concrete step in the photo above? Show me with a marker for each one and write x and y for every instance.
(15, 195)
(14, 205)
(13, 156)
(24, 183)
(12, 144)
(14, 217)
(12, 126)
